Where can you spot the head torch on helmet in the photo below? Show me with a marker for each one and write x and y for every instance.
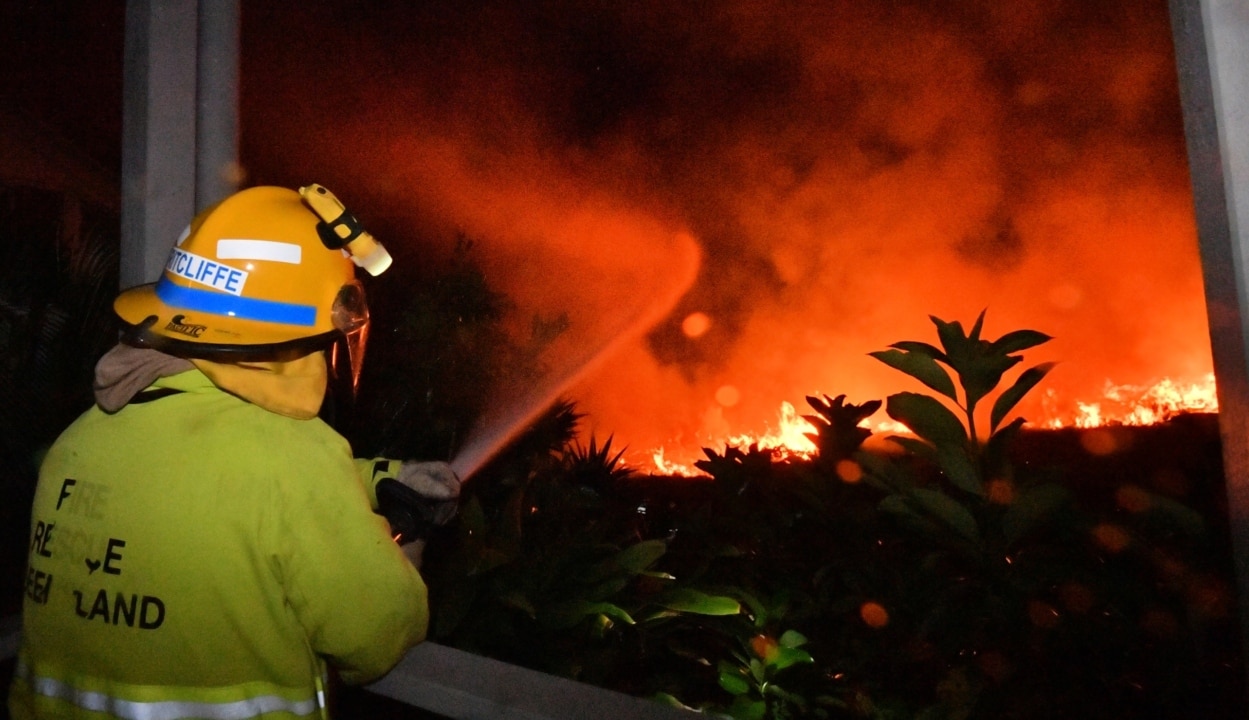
(267, 273)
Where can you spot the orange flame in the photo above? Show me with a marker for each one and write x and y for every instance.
(1120, 405)
(1138, 405)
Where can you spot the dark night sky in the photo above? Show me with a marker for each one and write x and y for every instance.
(62, 64)
(846, 168)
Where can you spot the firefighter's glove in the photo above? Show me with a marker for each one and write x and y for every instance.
(418, 498)
(436, 483)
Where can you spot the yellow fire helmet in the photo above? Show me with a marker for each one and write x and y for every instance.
(266, 273)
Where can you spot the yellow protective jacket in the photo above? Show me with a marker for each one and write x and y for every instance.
(194, 555)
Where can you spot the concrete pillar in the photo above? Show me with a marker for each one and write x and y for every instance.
(158, 133)
(180, 126)
(217, 126)
(1212, 56)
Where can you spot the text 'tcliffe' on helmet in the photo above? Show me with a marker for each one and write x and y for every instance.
(258, 276)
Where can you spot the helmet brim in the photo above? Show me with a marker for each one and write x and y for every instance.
(151, 322)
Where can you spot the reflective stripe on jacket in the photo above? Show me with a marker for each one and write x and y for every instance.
(56, 697)
(200, 554)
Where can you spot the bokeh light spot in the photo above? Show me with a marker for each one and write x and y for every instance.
(1132, 498)
(1076, 598)
(1111, 538)
(994, 665)
(1065, 297)
(1098, 441)
(764, 647)
(728, 395)
(1000, 492)
(695, 324)
(874, 614)
(849, 471)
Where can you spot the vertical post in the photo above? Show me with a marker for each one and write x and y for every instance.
(158, 133)
(1212, 57)
(180, 123)
(216, 126)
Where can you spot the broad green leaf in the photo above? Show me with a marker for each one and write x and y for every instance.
(792, 639)
(754, 605)
(698, 603)
(1030, 510)
(1019, 340)
(997, 449)
(905, 510)
(607, 588)
(920, 366)
(952, 337)
(960, 469)
(743, 708)
(657, 575)
(640, 556)
(788, 656)
(656, 614)
(1009, 398)
(923, 348)
(786, 696)
(610, 610)
(948, 510)
(626, 563)
(974, 335)
(961, 354)
(881, 472)
(516, 599)
(981, 373)
(915, 446)
(733, 683)
(664, 698)
(926, 417)
(565, 615)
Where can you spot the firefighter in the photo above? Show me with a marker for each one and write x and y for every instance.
(203, 545)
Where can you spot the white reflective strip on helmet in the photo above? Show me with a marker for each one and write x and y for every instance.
(242, 249)
(164, 709)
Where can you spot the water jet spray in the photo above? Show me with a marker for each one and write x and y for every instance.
(677, 268)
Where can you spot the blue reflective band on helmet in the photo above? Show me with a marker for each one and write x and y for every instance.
(217, 303)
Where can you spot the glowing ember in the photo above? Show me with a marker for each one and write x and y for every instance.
(1120, 405)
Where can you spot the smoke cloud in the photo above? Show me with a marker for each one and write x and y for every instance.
(845, 169)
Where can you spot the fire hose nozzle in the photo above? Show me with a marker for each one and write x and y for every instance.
(340, 229)
(410, 515)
